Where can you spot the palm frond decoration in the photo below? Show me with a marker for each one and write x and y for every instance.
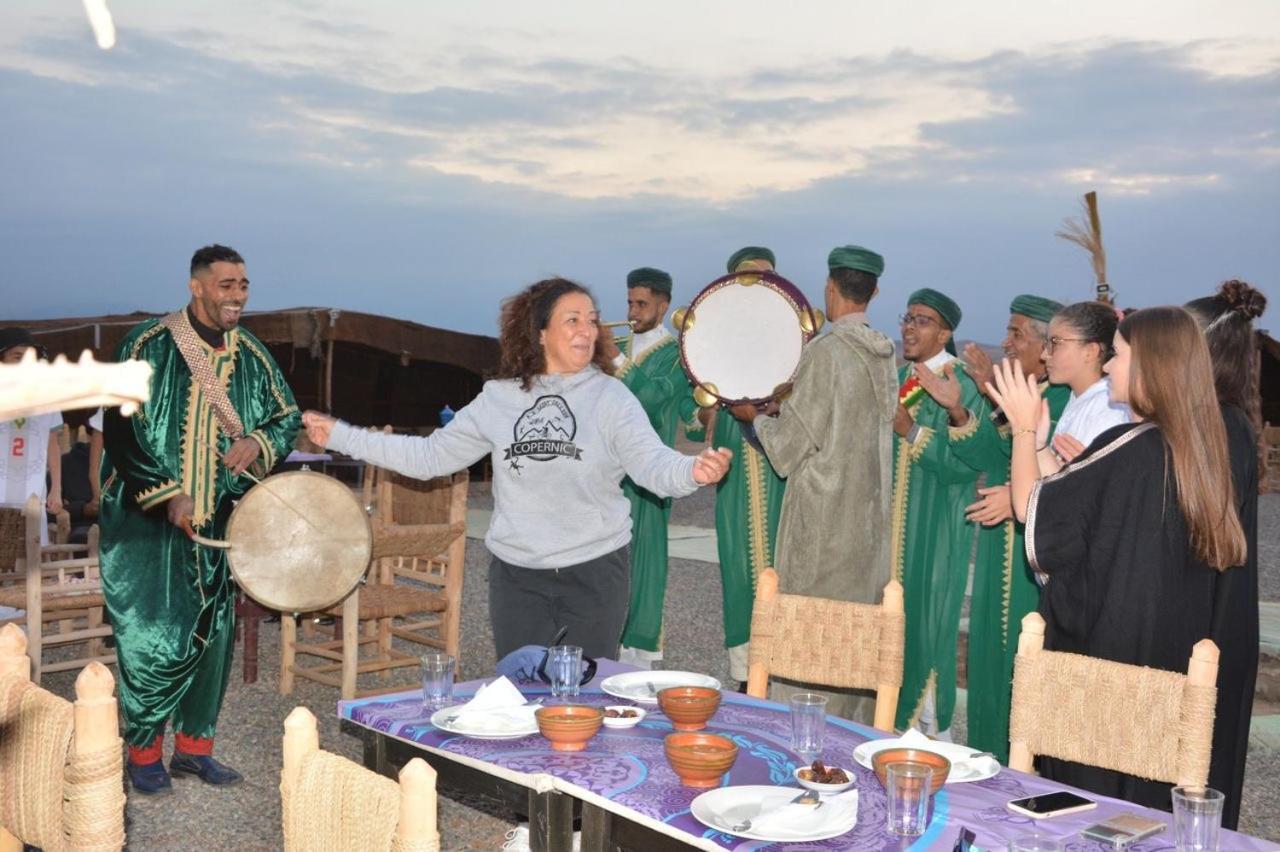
(1086, 232)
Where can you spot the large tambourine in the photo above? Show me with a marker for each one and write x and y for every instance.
(740, 338)
(298, 541)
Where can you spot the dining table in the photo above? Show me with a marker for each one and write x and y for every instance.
(623, 795)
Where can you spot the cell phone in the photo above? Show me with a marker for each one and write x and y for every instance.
(1051, 805)
(1122, 829)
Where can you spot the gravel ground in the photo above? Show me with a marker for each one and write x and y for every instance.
(248, 817)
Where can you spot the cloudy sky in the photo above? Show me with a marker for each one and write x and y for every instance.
(424, 159)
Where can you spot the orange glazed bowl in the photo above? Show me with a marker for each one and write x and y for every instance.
(689, 707)
(940, 765)
(569, 726)
(700, 759)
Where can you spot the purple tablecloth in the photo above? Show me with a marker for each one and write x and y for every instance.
(625, 771)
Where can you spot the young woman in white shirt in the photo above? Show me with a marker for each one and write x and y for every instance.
(1078, 346)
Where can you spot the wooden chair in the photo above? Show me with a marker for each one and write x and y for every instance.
(412, 592)
(60, 764)
(1146, 722)
(60, 584)
(829, 643)
(329, 802)
(13, 545)
(1271, 456)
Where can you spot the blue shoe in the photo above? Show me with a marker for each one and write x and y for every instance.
(205, 768)
(150, 779)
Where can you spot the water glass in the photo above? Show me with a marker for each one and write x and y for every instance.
(437, 679)
(564, 670)
(1035, 842)
(1197, 818)
(808, 724)
(908, 783)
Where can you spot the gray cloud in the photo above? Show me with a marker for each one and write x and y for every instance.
(109, 186)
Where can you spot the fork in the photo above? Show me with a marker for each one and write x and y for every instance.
(808, 797)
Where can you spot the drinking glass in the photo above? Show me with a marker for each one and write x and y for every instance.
(1197, 818)
(808, 724)
(437, 679)
(1035, 842)
(564, 670)
(908, 783)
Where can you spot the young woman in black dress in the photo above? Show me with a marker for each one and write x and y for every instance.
(1227, 319)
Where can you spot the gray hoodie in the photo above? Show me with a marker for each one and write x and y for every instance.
(559, 450)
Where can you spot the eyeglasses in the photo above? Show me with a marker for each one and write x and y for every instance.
(1052, 342)
(917, 320)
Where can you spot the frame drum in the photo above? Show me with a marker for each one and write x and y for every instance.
(740, 338)
(299, 541)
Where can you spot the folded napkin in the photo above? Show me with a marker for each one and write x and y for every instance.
(959, 755)
(795, 821)
(497, 706)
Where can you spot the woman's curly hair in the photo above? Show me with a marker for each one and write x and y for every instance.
(524, 316)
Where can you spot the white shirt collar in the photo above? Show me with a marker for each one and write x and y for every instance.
(647, 340)
(1102, 385)
(937, 362)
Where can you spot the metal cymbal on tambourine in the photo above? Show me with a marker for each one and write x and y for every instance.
(741, 336)
(298, 542)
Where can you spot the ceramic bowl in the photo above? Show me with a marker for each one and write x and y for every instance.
(569, 726)
(689, 707)
(824, 788)
(940, 765)
(623, 722)
(700, 759)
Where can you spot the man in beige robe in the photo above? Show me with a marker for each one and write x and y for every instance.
(833, 440)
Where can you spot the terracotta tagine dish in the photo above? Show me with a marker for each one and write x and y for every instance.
(689, 707)
(700, 759)
(940, 765)
(569, 727)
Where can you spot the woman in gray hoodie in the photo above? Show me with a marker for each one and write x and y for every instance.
(561, 433)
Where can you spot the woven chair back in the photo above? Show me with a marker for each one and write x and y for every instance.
(340, 805)
(826, 642)
(1146, 722)
(35, 737)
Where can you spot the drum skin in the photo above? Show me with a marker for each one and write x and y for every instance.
(740, 338)
(300, 542)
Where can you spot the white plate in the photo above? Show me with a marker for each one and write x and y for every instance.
(724, 807)
(962, 771)
(441, 717)
(633, 686)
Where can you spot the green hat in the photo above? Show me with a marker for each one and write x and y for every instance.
(940, 302)
(749, 253)
(646, 276)
(1036, 307)
(855, 257)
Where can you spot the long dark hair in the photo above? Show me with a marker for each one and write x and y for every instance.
(1171, 385)
(524, 316)
(1227, 319)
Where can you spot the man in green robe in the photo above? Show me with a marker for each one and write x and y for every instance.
(833, 441)
(648, 362)
(748, 505)
(932, 540)
(1004, 589)
(219, 408)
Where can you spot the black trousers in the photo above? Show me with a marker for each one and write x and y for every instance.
(528, 605)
